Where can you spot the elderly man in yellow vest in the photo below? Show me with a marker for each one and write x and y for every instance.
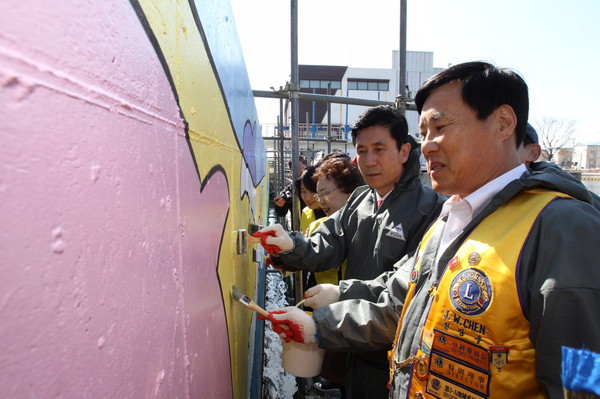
(508, 274)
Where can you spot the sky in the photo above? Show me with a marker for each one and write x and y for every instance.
(554, 45)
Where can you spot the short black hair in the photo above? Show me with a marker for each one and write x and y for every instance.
(531, 136)
(383, 115)
(307, 179)
(301, 159)
(485, 88)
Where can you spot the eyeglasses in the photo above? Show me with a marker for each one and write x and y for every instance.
(324, 194)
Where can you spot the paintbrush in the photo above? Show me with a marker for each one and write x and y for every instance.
(247, 302)
(250, 304)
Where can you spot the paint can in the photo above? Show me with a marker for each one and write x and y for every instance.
(302, 360)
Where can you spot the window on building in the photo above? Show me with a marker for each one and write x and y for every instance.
(320, 84)
(371, 85)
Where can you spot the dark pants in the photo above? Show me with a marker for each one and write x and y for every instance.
(368, 375)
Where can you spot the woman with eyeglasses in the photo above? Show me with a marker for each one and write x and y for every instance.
(336, 178)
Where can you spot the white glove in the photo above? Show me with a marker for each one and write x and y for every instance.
(301, 326)
(275, 235)
(321, 295)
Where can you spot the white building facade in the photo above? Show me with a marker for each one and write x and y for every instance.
(343, 81)
(586, 156)
(364, 83)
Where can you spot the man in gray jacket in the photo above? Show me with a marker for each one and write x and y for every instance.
(505, 278)
(379, 224)
(530, 152)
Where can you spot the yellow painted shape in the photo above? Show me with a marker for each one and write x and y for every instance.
(214, 143)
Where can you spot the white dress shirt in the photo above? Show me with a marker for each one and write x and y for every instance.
(380, 198)
(461, 211)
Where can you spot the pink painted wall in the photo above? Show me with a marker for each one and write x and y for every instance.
(109, 238)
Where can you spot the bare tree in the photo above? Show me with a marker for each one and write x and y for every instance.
(554, 134)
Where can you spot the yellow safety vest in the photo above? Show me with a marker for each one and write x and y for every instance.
(475, 342)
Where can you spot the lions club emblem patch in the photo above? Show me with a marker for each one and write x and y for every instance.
(471, 292)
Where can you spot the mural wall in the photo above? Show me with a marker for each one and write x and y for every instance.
(130, 158)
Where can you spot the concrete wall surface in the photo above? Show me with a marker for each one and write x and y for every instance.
(130, 158)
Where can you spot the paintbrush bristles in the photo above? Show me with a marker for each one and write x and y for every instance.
(249, 303)
(239, 296)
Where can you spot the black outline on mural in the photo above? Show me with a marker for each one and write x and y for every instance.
(216, 168)
(213, 171)
(216, 73)
(150, 34)
(142, 17)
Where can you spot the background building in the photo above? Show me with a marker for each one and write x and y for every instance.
(343, 81)
(586, 156)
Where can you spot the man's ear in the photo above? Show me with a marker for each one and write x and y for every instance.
(535, 151)
(405, 152)
(507, 121)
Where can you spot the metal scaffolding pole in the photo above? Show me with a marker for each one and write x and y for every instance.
(402, 65)
(281, 153)
(295, 131)
(330, 99)
(329, 120)
(295, 109)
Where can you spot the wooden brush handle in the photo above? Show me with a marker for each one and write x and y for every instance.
(263, 312)
(253, 306)
(252, 240)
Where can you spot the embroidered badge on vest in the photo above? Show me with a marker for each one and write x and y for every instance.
(471, 292)
(499, 356)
